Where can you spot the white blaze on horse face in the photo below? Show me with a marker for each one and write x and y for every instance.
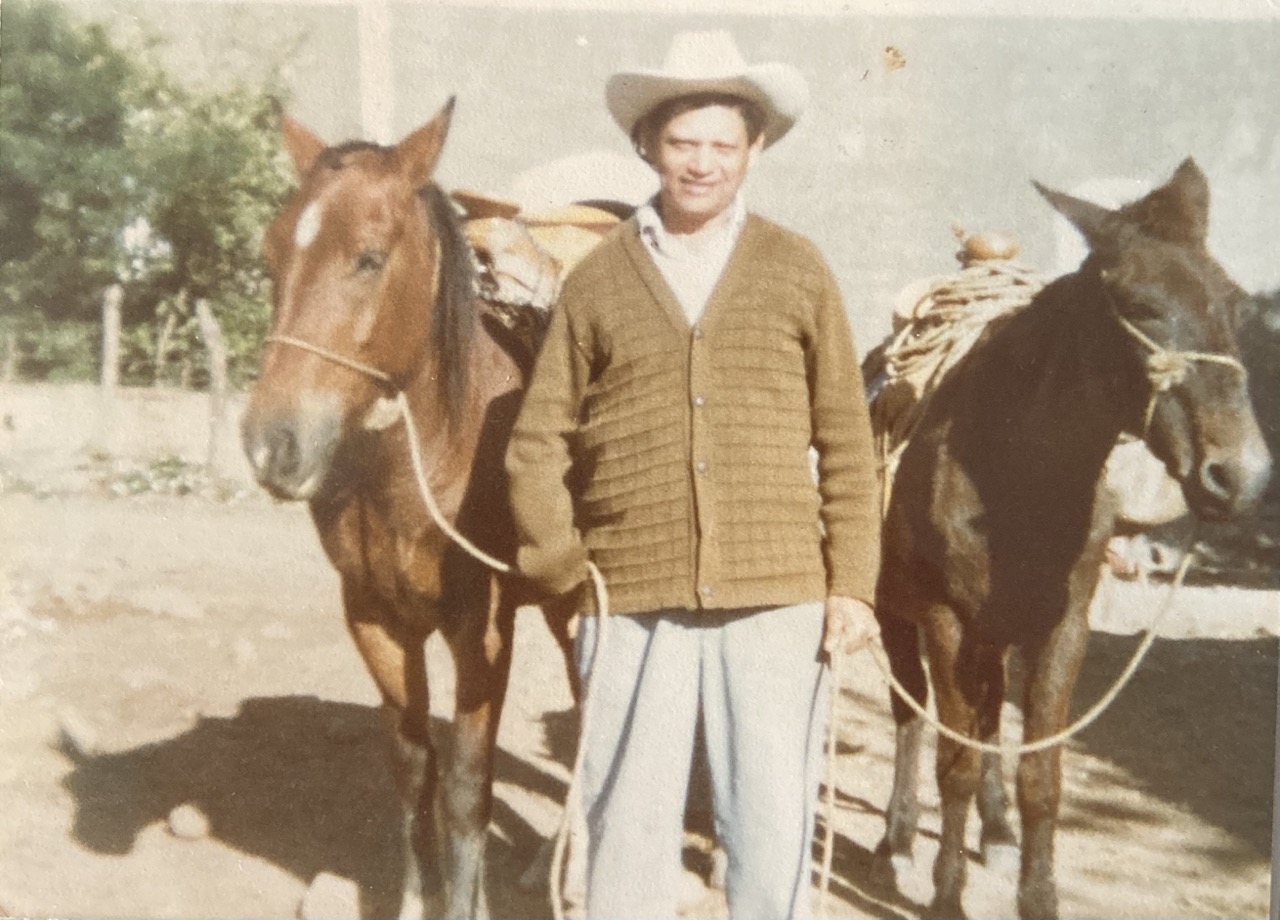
(308, 227)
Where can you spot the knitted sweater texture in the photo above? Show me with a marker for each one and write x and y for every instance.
(677, 457)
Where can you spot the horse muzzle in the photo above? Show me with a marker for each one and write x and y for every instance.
(291, 452)
(1228, 483)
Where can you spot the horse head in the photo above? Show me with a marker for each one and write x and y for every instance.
(359, 261)
(1174, 311)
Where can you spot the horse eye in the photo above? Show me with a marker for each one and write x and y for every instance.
(370, 262)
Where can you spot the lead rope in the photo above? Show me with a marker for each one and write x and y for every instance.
(1165, 368)
(837, 669)
(572, 808)
(428, 499)
(1148, 638)
(829, 800)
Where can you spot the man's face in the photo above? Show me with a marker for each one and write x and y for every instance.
(702, 158)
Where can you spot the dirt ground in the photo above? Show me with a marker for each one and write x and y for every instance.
(159, 651)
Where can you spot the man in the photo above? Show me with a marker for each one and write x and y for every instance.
(695, 358)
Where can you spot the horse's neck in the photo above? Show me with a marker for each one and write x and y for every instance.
(451, 442)
(1055, 372)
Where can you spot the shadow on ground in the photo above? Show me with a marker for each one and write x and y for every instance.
(1196, 726)
(297, 781)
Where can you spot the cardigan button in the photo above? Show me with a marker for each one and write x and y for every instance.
(706, 591)
(697, 332)
(699, 400)
(702, 466)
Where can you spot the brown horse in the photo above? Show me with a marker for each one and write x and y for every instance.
(374, 296)
(999, 516)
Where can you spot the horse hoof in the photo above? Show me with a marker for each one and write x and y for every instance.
(1004, 859)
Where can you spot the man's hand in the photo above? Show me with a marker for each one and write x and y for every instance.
(850, 626)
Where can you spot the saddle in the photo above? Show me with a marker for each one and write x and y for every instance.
(936, 321)
(522, 259)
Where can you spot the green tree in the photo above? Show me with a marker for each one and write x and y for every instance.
(214, 175)
(113, 171)
(63, 191)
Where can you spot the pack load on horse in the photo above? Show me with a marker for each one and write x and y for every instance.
(400, 342)
(522, 257)
(935, 323)
(999, 508)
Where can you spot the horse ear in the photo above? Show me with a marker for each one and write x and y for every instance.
(420, 151)
(1099, 225)
(1177, 211)
(303, 145)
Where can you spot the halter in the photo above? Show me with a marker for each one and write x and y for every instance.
(1167, 368)
(351, 363)
(367, 369)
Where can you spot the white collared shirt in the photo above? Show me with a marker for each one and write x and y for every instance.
(692, 276)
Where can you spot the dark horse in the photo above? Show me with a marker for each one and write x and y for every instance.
(998, 519)
(374, 295)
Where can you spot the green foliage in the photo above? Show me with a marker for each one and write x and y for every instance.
(60, 352)
(63, 194)
(114, 171)
(215, 176)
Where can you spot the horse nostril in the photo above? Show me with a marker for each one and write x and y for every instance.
(1216, 478)
(285, 455)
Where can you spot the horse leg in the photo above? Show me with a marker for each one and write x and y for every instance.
(998, 842)
(951, 663)
(464, 803)
(901, 642)
(399, 671)
(1051, 676)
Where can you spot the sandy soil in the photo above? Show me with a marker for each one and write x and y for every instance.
(158, 651)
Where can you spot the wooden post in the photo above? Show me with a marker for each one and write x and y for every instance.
(9, 372)
(211, 332)
(162, 349)
(112, 299)
(104, 433)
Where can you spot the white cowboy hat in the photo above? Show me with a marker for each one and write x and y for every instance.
(709, 62)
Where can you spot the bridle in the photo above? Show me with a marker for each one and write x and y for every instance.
(367, 369)
(359, 367)
(1166, 368)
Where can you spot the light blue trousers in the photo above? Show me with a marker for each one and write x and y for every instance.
(756, 678)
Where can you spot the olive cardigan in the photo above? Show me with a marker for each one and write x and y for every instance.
(677, 457)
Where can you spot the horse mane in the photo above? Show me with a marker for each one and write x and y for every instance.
(453, 320)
